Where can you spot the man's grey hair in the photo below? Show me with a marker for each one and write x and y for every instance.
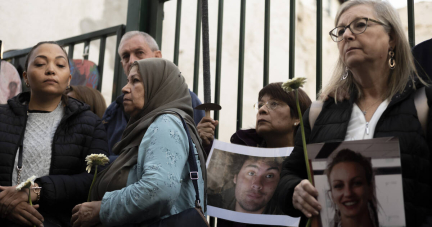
(149, 40)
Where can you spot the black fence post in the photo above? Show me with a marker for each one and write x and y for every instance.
(146, 16)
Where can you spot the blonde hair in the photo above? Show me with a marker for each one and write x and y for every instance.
(405, 69)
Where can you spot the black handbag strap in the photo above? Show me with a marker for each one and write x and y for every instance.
(193, 174)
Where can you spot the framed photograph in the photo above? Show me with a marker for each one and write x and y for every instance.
(241, 181)
(358, 182)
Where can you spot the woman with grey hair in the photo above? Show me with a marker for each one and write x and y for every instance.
(377, 79)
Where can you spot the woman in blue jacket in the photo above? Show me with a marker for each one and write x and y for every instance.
(150, 179)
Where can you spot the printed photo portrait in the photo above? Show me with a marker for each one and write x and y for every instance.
(242, 181)
(359, 183)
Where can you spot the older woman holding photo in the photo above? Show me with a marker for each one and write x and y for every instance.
(277, 121)
(376, 70)
(150, 179)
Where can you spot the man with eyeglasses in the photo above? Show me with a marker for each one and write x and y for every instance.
(135, 45)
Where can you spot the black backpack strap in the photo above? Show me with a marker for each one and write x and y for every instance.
(193, 174)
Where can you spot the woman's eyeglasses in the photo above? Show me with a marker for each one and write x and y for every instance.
(271, 105)
(357, 26)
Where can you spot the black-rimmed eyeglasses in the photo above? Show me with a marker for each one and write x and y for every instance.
(357, 26)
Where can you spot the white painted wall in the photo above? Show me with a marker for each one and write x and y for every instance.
(24, 23)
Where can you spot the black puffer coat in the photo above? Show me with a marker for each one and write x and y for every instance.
(400, 120)
(79, 134)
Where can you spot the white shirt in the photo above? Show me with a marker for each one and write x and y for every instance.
(359, 128)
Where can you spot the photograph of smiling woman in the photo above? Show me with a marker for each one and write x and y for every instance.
(352, 190)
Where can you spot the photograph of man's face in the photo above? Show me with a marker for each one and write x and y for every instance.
(242, 183)
(255, 184)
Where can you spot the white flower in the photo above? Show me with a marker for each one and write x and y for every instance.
(29, 182)
(95, 160)
(294, 84)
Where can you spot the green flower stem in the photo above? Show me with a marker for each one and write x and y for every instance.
(303, 138)
(30, 201)
(91, 186)
(29, 197)
(304, 146)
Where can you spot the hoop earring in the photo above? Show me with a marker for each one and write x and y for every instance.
(392, 62)
(345, 75)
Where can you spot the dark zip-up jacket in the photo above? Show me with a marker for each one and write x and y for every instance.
(400, 120)
(80, 133)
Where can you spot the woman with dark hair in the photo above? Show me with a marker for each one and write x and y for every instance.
(277, 121)
(43, 133)
(150, 180)
(352, 190)
(89, 96)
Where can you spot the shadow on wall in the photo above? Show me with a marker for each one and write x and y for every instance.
(114, 13)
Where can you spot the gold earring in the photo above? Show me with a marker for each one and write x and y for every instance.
(392, 62)
(27, 85)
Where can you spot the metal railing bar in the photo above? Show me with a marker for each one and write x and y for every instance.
(411, 23)
(197, 48)
(266, 43)
(102, 47)
(16, 53)
(71, 50)
(86, 46)
(119, 79)
(319, 47)
(241, 64)
(291, 71)
(177, 32)
(73, 40)
(90, 36)
(218, 62)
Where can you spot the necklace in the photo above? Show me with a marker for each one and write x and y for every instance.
(365, 110)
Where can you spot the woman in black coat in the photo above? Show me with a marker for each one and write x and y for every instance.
(377, 72)
(43, 133)
(277, 121)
